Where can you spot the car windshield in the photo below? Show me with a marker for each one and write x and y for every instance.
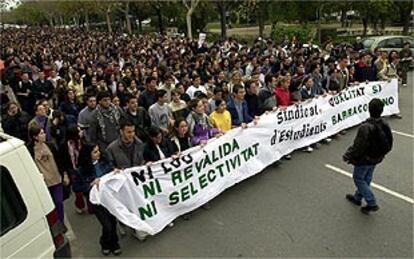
(367, 43)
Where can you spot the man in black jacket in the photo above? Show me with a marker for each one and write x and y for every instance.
(138, 116)
(373, 141)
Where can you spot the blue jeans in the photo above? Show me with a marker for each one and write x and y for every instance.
(362, 178)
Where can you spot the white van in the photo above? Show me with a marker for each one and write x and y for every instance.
(29, 222)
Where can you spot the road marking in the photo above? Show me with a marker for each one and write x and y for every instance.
(374, 185)
(403, 134)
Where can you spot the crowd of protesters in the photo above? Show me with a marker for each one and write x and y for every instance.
(90, 103)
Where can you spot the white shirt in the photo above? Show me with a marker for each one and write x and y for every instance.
(192, 89)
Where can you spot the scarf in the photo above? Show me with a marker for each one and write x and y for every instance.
(43, 123)
(112, 113)
(196, 118)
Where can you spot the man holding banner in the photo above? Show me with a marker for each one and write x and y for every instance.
(373, 141)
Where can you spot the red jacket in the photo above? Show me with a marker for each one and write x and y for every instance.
(282, 96)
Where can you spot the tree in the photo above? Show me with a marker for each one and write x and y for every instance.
(190, 5)
(124, 8)
(157, 6)
(105, 8)
(223, 6)
(405, 8)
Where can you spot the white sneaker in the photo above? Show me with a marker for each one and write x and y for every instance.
(327, 140)
(79, 211)
(140, 235)
(308, 149)
(404, 85)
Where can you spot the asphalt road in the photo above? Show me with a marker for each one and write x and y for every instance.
(296, 209)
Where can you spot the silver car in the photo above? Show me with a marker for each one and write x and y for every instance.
(387, 43)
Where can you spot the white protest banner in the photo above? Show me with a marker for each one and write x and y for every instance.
(148, 198)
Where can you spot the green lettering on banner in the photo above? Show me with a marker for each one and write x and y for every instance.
(148, 211)
(211, 175)
(176, 176)
(174, 198)
(151, 188)
(376, 89)
(202, 179)
(188, 172)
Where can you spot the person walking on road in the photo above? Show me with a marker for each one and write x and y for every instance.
(373, 141)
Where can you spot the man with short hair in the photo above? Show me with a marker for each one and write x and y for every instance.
(85, 116)
(372, 142)
(160, 113)
(196, 87)
(42, 88)
(218, 95)
(105, 124)
(252, 99)
(267, 99)
(343, 75)
(406, 56)
(127, 150)
(124, 152)
(168, 86)
(138, 116)
(237, 107)
(41, 120)
(149, 96)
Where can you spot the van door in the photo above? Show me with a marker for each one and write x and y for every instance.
(24, 228)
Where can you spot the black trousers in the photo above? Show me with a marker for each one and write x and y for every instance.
(109, 237)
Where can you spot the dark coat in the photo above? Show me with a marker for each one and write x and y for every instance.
(43, 89)
(235, 120)
(366, 149)
(142, 122)
(252, 104)
(147, 98)
(16, 126)
(151, 153)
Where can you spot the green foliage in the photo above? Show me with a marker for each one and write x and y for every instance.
(302, 33)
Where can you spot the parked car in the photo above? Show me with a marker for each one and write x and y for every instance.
(387, 43)
(29, 223)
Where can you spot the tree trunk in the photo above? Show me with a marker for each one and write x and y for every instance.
(87, 20)
(383, 19)
(160, 25)
(261, 20)
(365, 26)
(188, 20)
(319, 24)
(223, 18)
(406, 22)
(139, 26)
(128, 19)
(343, 18)
(108, 22)
(375, 25)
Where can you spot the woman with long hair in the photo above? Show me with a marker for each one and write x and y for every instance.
(45, 157)
(199, 125)
(91, 167)
(180, 139)
(156, 148)
(69, 153)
